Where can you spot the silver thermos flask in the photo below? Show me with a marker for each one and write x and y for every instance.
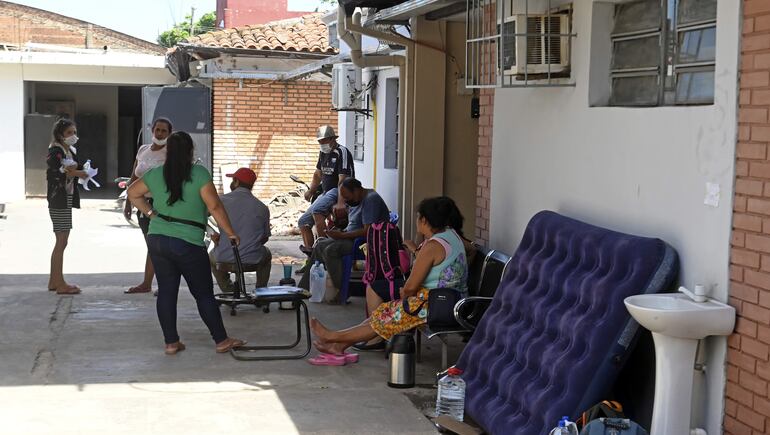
(402, 362)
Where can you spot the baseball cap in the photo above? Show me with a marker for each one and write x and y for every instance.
(244, 175)
(325, 131)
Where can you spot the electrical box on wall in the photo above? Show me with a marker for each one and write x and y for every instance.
(346, 86)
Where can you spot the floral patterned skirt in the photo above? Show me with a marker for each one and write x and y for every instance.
(390, 318)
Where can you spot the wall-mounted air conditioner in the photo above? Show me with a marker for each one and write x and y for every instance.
(543, 54)
(346, 86)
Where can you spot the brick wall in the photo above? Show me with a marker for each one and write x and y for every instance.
(21, 24)
(747, 403)
(486, 105)
(273, 125)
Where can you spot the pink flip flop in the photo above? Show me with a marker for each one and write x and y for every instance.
(327, 359)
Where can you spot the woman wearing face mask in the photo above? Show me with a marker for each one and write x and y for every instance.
(62, 172)
(148, 157)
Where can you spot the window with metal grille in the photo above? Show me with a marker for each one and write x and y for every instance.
(518, 43)
(663, 53)
(359, 121)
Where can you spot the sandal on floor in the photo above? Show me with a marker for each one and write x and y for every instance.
(228, 344)
(71, 290)
(172, 349)
(374, 347)
(327, 359)
(54, 289)
(137, 289)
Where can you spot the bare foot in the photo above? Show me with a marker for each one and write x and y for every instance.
(331, 348)
(320, 330)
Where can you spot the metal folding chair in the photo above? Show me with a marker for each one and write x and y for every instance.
(263, 297)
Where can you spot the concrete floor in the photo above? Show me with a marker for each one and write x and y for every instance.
(94, 363)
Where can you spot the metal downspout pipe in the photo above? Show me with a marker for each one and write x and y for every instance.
(349, 29)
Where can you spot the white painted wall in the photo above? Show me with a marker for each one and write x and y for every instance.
(386, 183)
(641, 171)
(16, 68)
(12, 145)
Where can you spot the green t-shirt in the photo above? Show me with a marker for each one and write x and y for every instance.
(190, 207)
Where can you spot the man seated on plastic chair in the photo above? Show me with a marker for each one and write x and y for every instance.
(366, 208)
(251, 219)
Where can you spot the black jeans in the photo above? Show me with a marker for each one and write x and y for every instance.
(174, 258)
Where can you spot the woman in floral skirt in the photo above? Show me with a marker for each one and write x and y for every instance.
(441, 263)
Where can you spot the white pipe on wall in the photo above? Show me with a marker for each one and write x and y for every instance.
(349, 29)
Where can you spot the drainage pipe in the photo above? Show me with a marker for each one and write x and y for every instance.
(349, 29)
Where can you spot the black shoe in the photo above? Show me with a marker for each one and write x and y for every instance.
(374, 347)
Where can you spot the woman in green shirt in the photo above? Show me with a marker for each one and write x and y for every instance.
(183, 195)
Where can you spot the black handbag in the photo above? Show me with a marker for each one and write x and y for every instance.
(441, 307)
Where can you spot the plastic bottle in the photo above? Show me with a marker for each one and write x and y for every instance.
(450, 399)
(317, 282)
(565, 427)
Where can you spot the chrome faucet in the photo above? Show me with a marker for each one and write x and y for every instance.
(699, 295)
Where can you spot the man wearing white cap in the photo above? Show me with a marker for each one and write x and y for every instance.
(335, 163)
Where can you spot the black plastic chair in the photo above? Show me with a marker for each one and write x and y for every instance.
(484, 275)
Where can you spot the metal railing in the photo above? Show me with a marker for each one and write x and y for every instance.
(518, 43)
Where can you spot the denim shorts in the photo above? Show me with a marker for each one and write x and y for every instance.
(323, 205)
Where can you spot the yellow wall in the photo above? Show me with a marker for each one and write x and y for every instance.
(461, 132)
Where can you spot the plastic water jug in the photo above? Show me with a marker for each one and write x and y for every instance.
(565, 427)
(317, 282)
(450, 399)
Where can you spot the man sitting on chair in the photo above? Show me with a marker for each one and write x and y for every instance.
(366, 207)
(250, 219)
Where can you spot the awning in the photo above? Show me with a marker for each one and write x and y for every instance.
(431, 9)
(351, 5)
(324, 64)
(311, 68)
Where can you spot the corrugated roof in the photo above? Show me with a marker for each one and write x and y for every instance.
(305, 34)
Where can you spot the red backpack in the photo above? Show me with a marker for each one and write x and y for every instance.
(386, 257)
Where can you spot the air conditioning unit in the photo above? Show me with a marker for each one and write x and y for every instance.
(346, 86)
(536, 54)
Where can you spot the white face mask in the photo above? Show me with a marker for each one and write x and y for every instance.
(326, 148)
(157, 141)
(72, 140)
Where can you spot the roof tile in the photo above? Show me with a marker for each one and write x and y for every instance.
(305, 34)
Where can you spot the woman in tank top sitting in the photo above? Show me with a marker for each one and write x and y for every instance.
(440, 263)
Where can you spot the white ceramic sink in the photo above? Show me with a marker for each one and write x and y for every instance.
(677, 323)
(676, 315)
